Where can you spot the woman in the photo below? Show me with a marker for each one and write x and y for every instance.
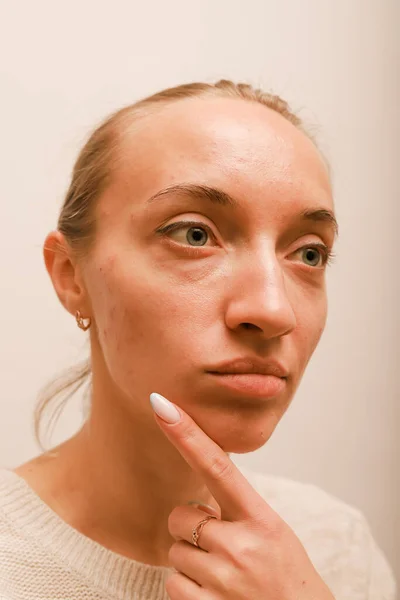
(193, 244)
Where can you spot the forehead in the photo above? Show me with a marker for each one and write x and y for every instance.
(243, 147)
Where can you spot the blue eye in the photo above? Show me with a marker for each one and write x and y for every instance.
(316, 253)
(312, 255)
(196, 233)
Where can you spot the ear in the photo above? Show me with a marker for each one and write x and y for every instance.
(65, 274)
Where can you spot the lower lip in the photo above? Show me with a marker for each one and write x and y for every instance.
(253, 384)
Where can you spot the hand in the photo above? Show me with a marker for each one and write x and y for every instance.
(247, 553)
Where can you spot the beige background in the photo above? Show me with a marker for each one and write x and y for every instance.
(66, 65)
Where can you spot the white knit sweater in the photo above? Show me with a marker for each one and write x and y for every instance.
(44, 558)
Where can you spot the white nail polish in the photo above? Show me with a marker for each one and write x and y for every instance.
(164, 408)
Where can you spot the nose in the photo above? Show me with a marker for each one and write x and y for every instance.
(259, 298)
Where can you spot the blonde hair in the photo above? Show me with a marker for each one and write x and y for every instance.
(90, 176)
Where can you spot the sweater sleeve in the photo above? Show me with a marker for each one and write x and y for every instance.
(369, 565)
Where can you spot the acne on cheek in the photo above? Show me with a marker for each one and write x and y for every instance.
(102, 292)
(106, 266)
(107, 328)
(105, 284)
(120, 324)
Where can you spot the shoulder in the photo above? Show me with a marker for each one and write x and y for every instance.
(335, 534)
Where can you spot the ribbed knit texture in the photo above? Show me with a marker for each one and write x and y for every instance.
(44, 558)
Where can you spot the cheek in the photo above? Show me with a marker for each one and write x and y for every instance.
(109, 295)
(313, 323)
(128, 310)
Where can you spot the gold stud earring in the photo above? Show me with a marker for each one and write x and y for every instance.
(81, 321)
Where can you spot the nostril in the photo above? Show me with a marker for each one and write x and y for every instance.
(251, 326)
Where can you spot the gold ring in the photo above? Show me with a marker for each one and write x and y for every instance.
(197, 530)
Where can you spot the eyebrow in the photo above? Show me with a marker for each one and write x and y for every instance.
(221, 198)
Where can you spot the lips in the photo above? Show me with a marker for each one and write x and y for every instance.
(250, 365)
(251, 384)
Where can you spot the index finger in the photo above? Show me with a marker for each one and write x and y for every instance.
(237, 498)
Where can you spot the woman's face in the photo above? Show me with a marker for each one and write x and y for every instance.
(243, 281)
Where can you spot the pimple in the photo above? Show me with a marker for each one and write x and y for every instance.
(110, 260)
(107, 263)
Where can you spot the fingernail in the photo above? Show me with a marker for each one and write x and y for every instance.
(164, 408)
(201, 505)
(198, 503)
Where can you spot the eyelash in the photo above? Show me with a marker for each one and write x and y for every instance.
(327, 254)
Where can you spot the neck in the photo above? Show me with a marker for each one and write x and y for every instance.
(118, 479)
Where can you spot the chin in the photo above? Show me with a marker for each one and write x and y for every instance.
(237, 434)
(243, 445)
